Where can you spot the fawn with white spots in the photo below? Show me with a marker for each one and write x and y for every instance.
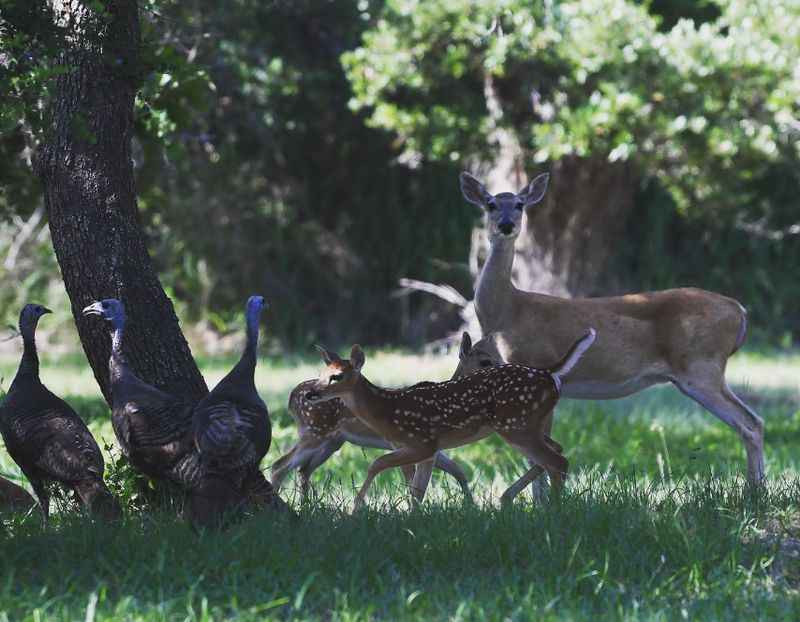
(513, 400)
(323, 427)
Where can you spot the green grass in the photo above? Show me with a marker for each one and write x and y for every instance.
(655, 524)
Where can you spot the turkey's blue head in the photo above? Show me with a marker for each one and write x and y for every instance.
(110, 309)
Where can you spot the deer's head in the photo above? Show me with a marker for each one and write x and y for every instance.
(339, 376)
(504, 210)
(472, 358)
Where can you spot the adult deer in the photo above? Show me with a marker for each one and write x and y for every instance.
(682, 336)
(513, 400)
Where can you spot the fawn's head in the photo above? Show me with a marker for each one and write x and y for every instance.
(471, 357)
(339, 376)
(504, 210)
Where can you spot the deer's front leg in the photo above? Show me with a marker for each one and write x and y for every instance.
(397, 458)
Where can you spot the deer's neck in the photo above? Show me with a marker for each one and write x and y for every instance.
(367, 402)
(495, 289)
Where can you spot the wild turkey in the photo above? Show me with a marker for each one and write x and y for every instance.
(152, 427)
(232, 433)
(46, 438)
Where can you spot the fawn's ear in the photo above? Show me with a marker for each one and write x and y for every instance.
(327, 356)
(357, 357)
(466, 346)
(534, 191)
(473, 190)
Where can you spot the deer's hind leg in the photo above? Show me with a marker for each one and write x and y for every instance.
(706, 385)
(543, 453)
(307, 455)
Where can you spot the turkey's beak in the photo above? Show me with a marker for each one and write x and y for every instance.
(96, 308)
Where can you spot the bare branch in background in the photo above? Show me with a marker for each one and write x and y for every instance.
(27, 230)
(760, 229)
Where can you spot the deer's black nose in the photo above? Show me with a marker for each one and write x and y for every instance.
(505, 227)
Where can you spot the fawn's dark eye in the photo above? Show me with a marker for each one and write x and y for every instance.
(335, 378)
(485, 363)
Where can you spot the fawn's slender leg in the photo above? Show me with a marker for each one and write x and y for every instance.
(308, 454)
(397, 458)
(316, 460)
(448, 465)
(422, 478)
(533, 444)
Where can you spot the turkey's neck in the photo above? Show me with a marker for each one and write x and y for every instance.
(29, 364)
(117, 361)
(245, 369)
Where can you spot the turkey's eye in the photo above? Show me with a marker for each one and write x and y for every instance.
(485, 363)
(519, 206)
(491, 206)
(38, 309)
(105, 305)
(335, 378)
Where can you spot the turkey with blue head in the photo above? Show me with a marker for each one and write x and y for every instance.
(232, 433)
(152, 427)
(46, 437)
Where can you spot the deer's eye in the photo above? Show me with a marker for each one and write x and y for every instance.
(485, 363)
(335, 378)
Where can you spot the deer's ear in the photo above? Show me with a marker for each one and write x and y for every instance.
(357, 357)
(327, 356)
(534, 191)
(473, 190)
(466, 346)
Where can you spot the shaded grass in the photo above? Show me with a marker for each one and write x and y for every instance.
(655, 524)
(613, 548)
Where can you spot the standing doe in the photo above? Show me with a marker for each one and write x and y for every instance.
(683, 336)
(512, 400)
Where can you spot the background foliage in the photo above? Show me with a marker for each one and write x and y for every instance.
(310, 149)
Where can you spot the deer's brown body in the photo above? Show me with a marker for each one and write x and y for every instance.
(683, 336)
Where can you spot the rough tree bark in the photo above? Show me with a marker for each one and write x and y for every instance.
(87, 173)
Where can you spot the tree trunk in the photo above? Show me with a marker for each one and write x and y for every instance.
(87, 173)
(567, 240)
